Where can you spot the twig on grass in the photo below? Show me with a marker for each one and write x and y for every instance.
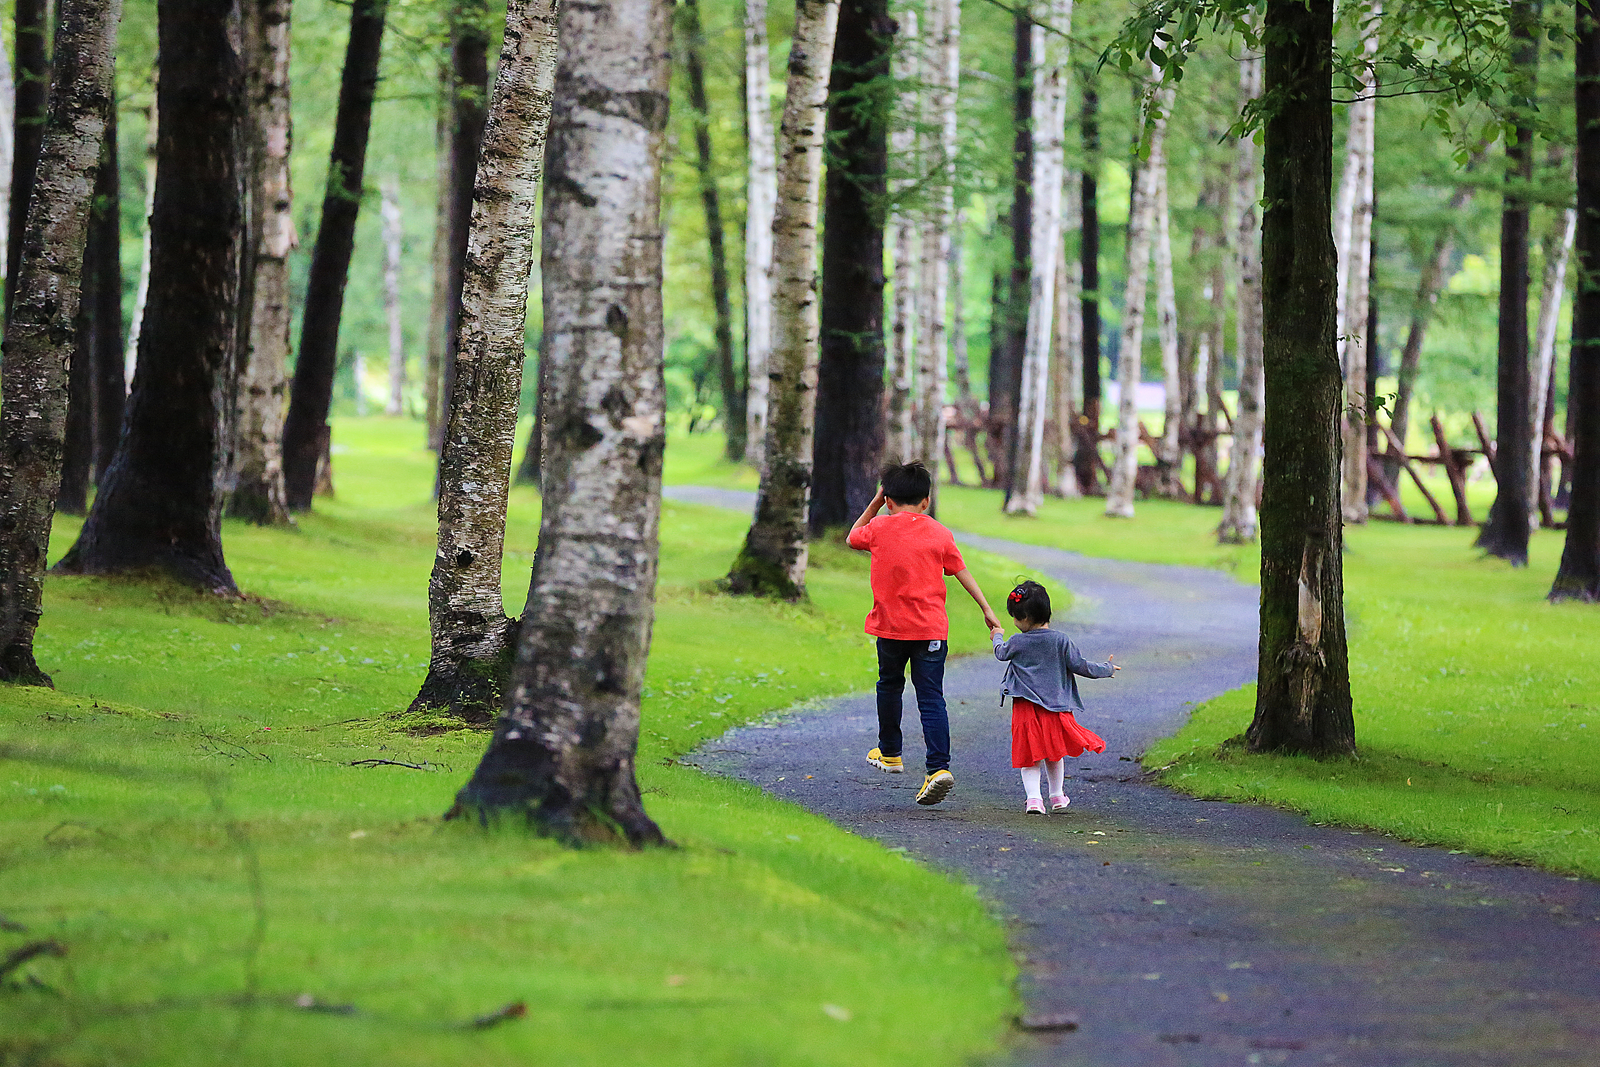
(515, 1010)
(32, 950)
(393, 763)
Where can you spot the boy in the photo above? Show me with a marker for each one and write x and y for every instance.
(911, 554)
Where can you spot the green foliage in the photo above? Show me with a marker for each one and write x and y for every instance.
(184, 815)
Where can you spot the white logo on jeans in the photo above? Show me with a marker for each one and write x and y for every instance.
(933, 646)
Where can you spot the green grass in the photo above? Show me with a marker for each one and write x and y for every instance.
(181, 814)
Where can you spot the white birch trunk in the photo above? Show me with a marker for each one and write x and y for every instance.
(760, 198)
(1170, 461)
(471, 634)
(564, 750)
(1557, 252)
(1049, 133)
(1239, 487)
(1354, 271)
(1066, 359)
(258, 490)
(773, 559)
(1125, 468)
(900, 444)
(943, 67)
(8, 112)
(141, 291)
(393, 233)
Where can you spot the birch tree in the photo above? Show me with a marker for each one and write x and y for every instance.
(141, 288)
(471, 636)
(1238, 524)
(1141, 216)
(563, 751)
(903, 226)
(761, 196)
(773, 558)
(159, 506)
(1169, 464)
(1066, 357)
(39, 333)
(393, 236)
(8, 118)
(1557, 249)
(1049, 132)
(1354, 272)
(943, 70)
(258, 493)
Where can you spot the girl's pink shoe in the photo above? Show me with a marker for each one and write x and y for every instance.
(1059, 803)
(1035, 807)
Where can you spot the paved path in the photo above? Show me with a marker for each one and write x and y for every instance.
(1190, 933)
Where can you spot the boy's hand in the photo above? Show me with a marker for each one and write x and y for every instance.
(1114, 667)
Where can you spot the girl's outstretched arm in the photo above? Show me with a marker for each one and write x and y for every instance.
(1087, 668)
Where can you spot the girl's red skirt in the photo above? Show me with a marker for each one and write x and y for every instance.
(1037, 734)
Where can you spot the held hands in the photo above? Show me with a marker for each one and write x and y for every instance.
(991, 620)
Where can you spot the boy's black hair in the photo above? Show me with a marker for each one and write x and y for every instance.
(907, 483)
(1030, 601)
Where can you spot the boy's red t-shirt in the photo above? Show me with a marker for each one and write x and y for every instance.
(911, 554)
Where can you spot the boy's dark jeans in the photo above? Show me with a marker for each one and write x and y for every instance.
(927, 677)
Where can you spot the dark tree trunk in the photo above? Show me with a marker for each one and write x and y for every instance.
(1579, 575)
(733, 396)
(39, 335)
(105, 319)
(1005, 386)
(159, 505)
(563, 752)
(1303, 695)
(850, 430)
(306, 427)
(1506, 533)
(1089, 247)
(32, 73)
(469, 94)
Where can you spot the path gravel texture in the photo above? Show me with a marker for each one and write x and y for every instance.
(1184, 932)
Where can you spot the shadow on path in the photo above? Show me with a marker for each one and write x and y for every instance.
(1192, 933)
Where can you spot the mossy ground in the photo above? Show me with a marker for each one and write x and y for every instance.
(185, 814)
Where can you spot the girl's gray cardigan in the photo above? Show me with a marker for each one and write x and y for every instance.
(1040, 667)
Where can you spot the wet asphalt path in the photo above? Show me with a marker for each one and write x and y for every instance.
(1185, 932)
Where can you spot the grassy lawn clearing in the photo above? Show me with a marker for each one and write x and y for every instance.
(181, 815)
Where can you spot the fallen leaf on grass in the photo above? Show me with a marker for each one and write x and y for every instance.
(515, 1010)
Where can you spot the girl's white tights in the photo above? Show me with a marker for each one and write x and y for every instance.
(1054, 769)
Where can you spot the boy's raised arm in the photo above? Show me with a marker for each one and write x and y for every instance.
(867, 515)
(970, 584)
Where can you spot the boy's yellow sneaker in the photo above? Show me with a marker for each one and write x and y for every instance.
(886, 764)
(936, 787)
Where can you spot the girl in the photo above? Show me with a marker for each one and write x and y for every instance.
(1040, 668)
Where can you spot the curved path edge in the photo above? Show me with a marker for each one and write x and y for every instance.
(1183, 932)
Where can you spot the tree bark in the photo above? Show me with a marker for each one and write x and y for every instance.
(32, 51)
(1303, 696)
(1355, 260)
(773, 559)
(258, 493)
(1141, 216)
(1089, 257)
(942, 71)
(1170, 462)
(1066, 355)
(306, 427)
(849, 439)
(469, 75)
(472, 637)
(1005, 362)
(39, 332)
(1557, 249)
(901, 445)
(1578, 577)
(733, 394)
(1239, 518)
(563, 751)
(159, 505)
(761, 197)
(439, 263)
(393, 238)
(1506, 533)
(1047, 126)
(105, 227)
